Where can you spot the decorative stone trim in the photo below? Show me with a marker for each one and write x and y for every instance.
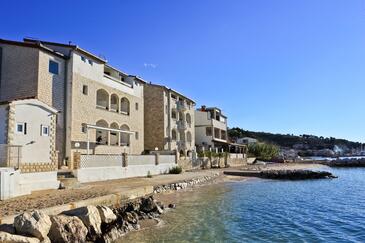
(76, 160)
(52, 149)
(37, 167)
(11, 124)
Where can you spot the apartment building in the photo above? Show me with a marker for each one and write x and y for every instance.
(210, 128)
(168, 120)
(100, 107)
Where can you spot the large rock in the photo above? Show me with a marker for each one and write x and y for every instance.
(131, 217)
(9, 238)
(90, 217)
(106, 214)
(148, 205)
(35, 224)
(67, 229)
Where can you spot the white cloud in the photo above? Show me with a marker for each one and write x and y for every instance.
(150, 65)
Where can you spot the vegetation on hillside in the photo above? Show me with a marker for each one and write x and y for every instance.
(290, 140)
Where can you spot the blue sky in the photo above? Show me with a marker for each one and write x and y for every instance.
(280, 66)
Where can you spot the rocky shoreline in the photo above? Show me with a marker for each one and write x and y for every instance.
(282, 174)
(85, 224)
(295, 174)
(351, 162)
(184, 184)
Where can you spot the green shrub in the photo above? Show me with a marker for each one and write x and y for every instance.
(263, 151)
(175, 170)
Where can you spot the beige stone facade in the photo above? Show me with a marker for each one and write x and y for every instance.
(81, 81)
(169, 120)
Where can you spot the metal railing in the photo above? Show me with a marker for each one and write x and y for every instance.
(10, 155)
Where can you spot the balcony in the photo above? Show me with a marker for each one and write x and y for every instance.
(181, 125)
(181, 106)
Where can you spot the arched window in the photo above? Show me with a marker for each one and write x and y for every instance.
(114, 103)
(188, 118)
(114, 136)
(188, 137)
(101, 135)
(124, 106)
(102, 99)
(124, 137)
(173, 135)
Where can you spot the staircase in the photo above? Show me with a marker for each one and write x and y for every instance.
(67, 178)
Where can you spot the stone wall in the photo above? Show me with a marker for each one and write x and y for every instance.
(37, 167)
(19, 73)
(51, 90)
(154, 125)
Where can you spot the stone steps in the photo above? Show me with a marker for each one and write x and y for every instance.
(67, 179)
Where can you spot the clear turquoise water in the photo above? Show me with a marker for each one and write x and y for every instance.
(267, 211)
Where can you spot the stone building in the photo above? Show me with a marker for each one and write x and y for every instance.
(168, 120)
(101, 107)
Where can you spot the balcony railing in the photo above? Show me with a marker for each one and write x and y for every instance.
(117, 80)
(181, 106)
(181, 125)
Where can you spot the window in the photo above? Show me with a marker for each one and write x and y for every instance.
(90, 62)
(83, 128)
(136, 135)
(53, 67)
(173, 135)
(173, 114)
(124, 106)
(44, 130)
(83, 59)
(208, 131)
(136, 106)
(21, 127)
(85, 89)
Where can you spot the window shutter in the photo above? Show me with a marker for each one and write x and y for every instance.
(25, 128)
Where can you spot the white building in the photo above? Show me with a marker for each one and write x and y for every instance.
(27, 141)
(246, 140)
(210, 128)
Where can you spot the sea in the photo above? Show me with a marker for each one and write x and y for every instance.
(257, 210)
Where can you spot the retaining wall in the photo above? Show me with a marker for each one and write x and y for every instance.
(117, 172)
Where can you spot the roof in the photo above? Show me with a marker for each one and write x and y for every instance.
(139, 78)
(31, 101)
(169, 89)
(211, 108)
(116, 69)
(4, 102)
(32, 45)
(74, 47)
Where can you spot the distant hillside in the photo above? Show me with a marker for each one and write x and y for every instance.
(298, 142)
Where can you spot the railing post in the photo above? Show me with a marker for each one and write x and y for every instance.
(157, 158)
(124, 159)
(176, 156)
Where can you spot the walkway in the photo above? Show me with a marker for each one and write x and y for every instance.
(50, 198)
